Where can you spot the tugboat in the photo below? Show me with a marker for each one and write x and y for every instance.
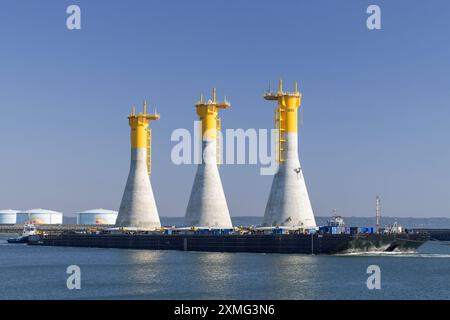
(28, 230)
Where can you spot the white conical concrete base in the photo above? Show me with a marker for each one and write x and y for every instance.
(288, 203)
(138, 207)
(207, 205)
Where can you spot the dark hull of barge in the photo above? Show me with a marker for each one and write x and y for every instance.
(290, 244)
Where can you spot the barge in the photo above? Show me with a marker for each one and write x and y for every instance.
(314, 243)
(436, 234)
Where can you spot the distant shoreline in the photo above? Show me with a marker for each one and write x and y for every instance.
(410, 223)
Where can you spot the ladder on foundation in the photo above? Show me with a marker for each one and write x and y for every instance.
(279, 143)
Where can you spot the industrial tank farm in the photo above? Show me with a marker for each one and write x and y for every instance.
(97, 217)
(40, 216)
(8, 216)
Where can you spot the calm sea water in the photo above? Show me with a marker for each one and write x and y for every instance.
(28, 272)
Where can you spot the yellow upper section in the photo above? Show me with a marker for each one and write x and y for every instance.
(287, 107)
(208, 113)
(139, 124)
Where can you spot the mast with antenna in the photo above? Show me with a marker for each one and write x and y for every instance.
(378, 213)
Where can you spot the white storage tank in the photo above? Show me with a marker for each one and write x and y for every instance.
(97, 216)
(8, 216)
(40, 216)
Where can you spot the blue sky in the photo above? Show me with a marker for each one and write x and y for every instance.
(376, 103)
